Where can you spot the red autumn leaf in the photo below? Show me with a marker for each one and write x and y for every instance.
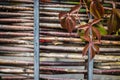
(96, 9)
(96, 48)
(86, 37)
(84, 52)
(75, 9)
(93, 49)
(92, 53)
(63, 23)
(71, 22)
(114, 21)
(97, 33)
(88, 25)
(68, 23)
(95, 21)
(62, 15)
(83, 26)
(86, 32)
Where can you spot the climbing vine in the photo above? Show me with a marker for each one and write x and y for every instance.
(91, 34)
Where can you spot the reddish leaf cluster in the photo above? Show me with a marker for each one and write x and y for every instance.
(95, 34)
(91, 33)
(67, 20)
(88, 26)
(91, 45)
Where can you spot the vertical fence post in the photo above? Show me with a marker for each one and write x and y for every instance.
(90, 61)
(36, 40)
(90, 66)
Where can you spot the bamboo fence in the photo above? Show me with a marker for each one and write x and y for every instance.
(57, 47)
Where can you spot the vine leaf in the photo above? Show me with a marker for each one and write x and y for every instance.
(94, 49)
(92, 53)
(96, 9)
(96, 33)
(70, 23)
(85, 26)
(67, 20)
(113, 22)
(101, 29)
(75, 9)
(88, 26)
(62, 15)
(84, 52)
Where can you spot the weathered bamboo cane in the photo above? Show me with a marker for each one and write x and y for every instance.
(64, 49)
(76, 49)
(78, 40)
(105, 37)
(9, 20)
(49, 78)
(13, 41)
(70, 71)
(57, 40)
(18, 34)
(15, 8)
(107, 67)
(48, 70)
(110, 64)
(42, 63)
(98, 58)
(24, 38)
(15, 63)
(55, 14)
(15, 49)
(14, 14)
(25, 78)
(79, 56)
(15, 71)
(11, 27)
(13, 78)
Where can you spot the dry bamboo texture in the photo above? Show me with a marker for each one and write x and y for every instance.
(59, 51)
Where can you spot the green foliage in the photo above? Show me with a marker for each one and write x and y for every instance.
(101, 28)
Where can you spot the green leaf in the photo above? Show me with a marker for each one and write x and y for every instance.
(97, 33)
(101, 28)
(88, 3)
